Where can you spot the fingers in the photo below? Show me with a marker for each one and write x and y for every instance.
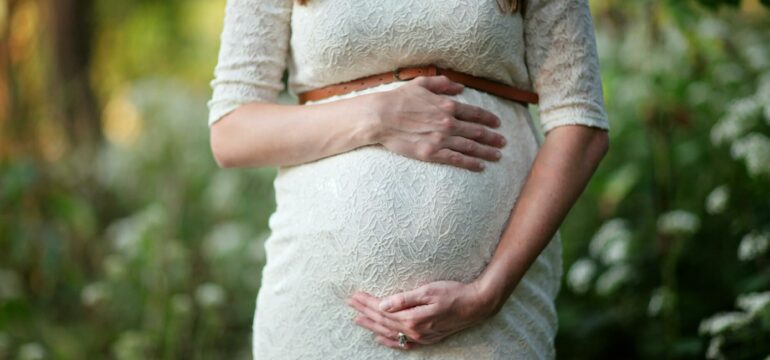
(454, 158)
(377, 328)
(439, 84)
(394, 343)
(472, 113)
(473, 148)
(404, 300)
(478, 133)
(374, 315)
(385, 336)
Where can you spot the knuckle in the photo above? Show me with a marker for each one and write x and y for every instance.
(446, 123)
(425, 150)
(436, 137)
(449, 105)
(469, 146)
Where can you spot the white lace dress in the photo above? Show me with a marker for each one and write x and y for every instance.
(373, 220)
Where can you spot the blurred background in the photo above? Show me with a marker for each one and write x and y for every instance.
(120, 238)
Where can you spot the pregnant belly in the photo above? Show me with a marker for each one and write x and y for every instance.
(374, 220)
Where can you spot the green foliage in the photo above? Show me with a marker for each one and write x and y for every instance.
(683, 195)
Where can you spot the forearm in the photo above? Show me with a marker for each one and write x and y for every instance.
(559, 174)
(267, 134)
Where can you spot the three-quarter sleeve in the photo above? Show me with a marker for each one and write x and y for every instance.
(563, 65)
(253, 50)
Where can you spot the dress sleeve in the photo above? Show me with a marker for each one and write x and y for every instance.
(562, 60)
(253, 49)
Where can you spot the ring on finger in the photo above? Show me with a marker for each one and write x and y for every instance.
(402, 339)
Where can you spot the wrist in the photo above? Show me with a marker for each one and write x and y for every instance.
(367, 119)
(493, 295)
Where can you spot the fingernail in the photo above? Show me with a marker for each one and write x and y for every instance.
(482, 165)
(503, 141)
(498, 154)
(385, 305)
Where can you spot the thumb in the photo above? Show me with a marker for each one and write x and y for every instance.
(404, 300)
(440, 84)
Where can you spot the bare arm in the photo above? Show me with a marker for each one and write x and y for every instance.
(559, 174)
(268, 134)
(413, 120)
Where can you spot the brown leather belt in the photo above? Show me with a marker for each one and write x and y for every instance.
(406, 73)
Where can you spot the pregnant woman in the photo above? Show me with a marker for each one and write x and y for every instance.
(418, 206)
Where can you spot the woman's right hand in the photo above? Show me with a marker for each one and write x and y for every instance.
(416, 121)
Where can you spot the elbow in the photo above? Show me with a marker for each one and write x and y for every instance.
(602, 143)
(219, 149)
(220, 155)
(598, 145)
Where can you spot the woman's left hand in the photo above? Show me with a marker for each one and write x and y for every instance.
(427, 314)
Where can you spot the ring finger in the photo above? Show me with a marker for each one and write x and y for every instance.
(394, 343)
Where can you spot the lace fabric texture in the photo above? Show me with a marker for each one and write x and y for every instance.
(370, 219)
(551, 49)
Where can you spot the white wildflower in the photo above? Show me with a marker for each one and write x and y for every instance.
(720, 322)
(740, 116)
(753, 245)
(754, 150)
(223, 191)
(612, 278)
(678, 222)
(716, 201)
(94, 293)
(223, 240)
(610, 231)
(580, 275)
(710, 27)
(753, 303)
(757, 56)
(126, 235)
(31, 351)
(616, 251)
(657, 299)
(714, 351)
(210, 295)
